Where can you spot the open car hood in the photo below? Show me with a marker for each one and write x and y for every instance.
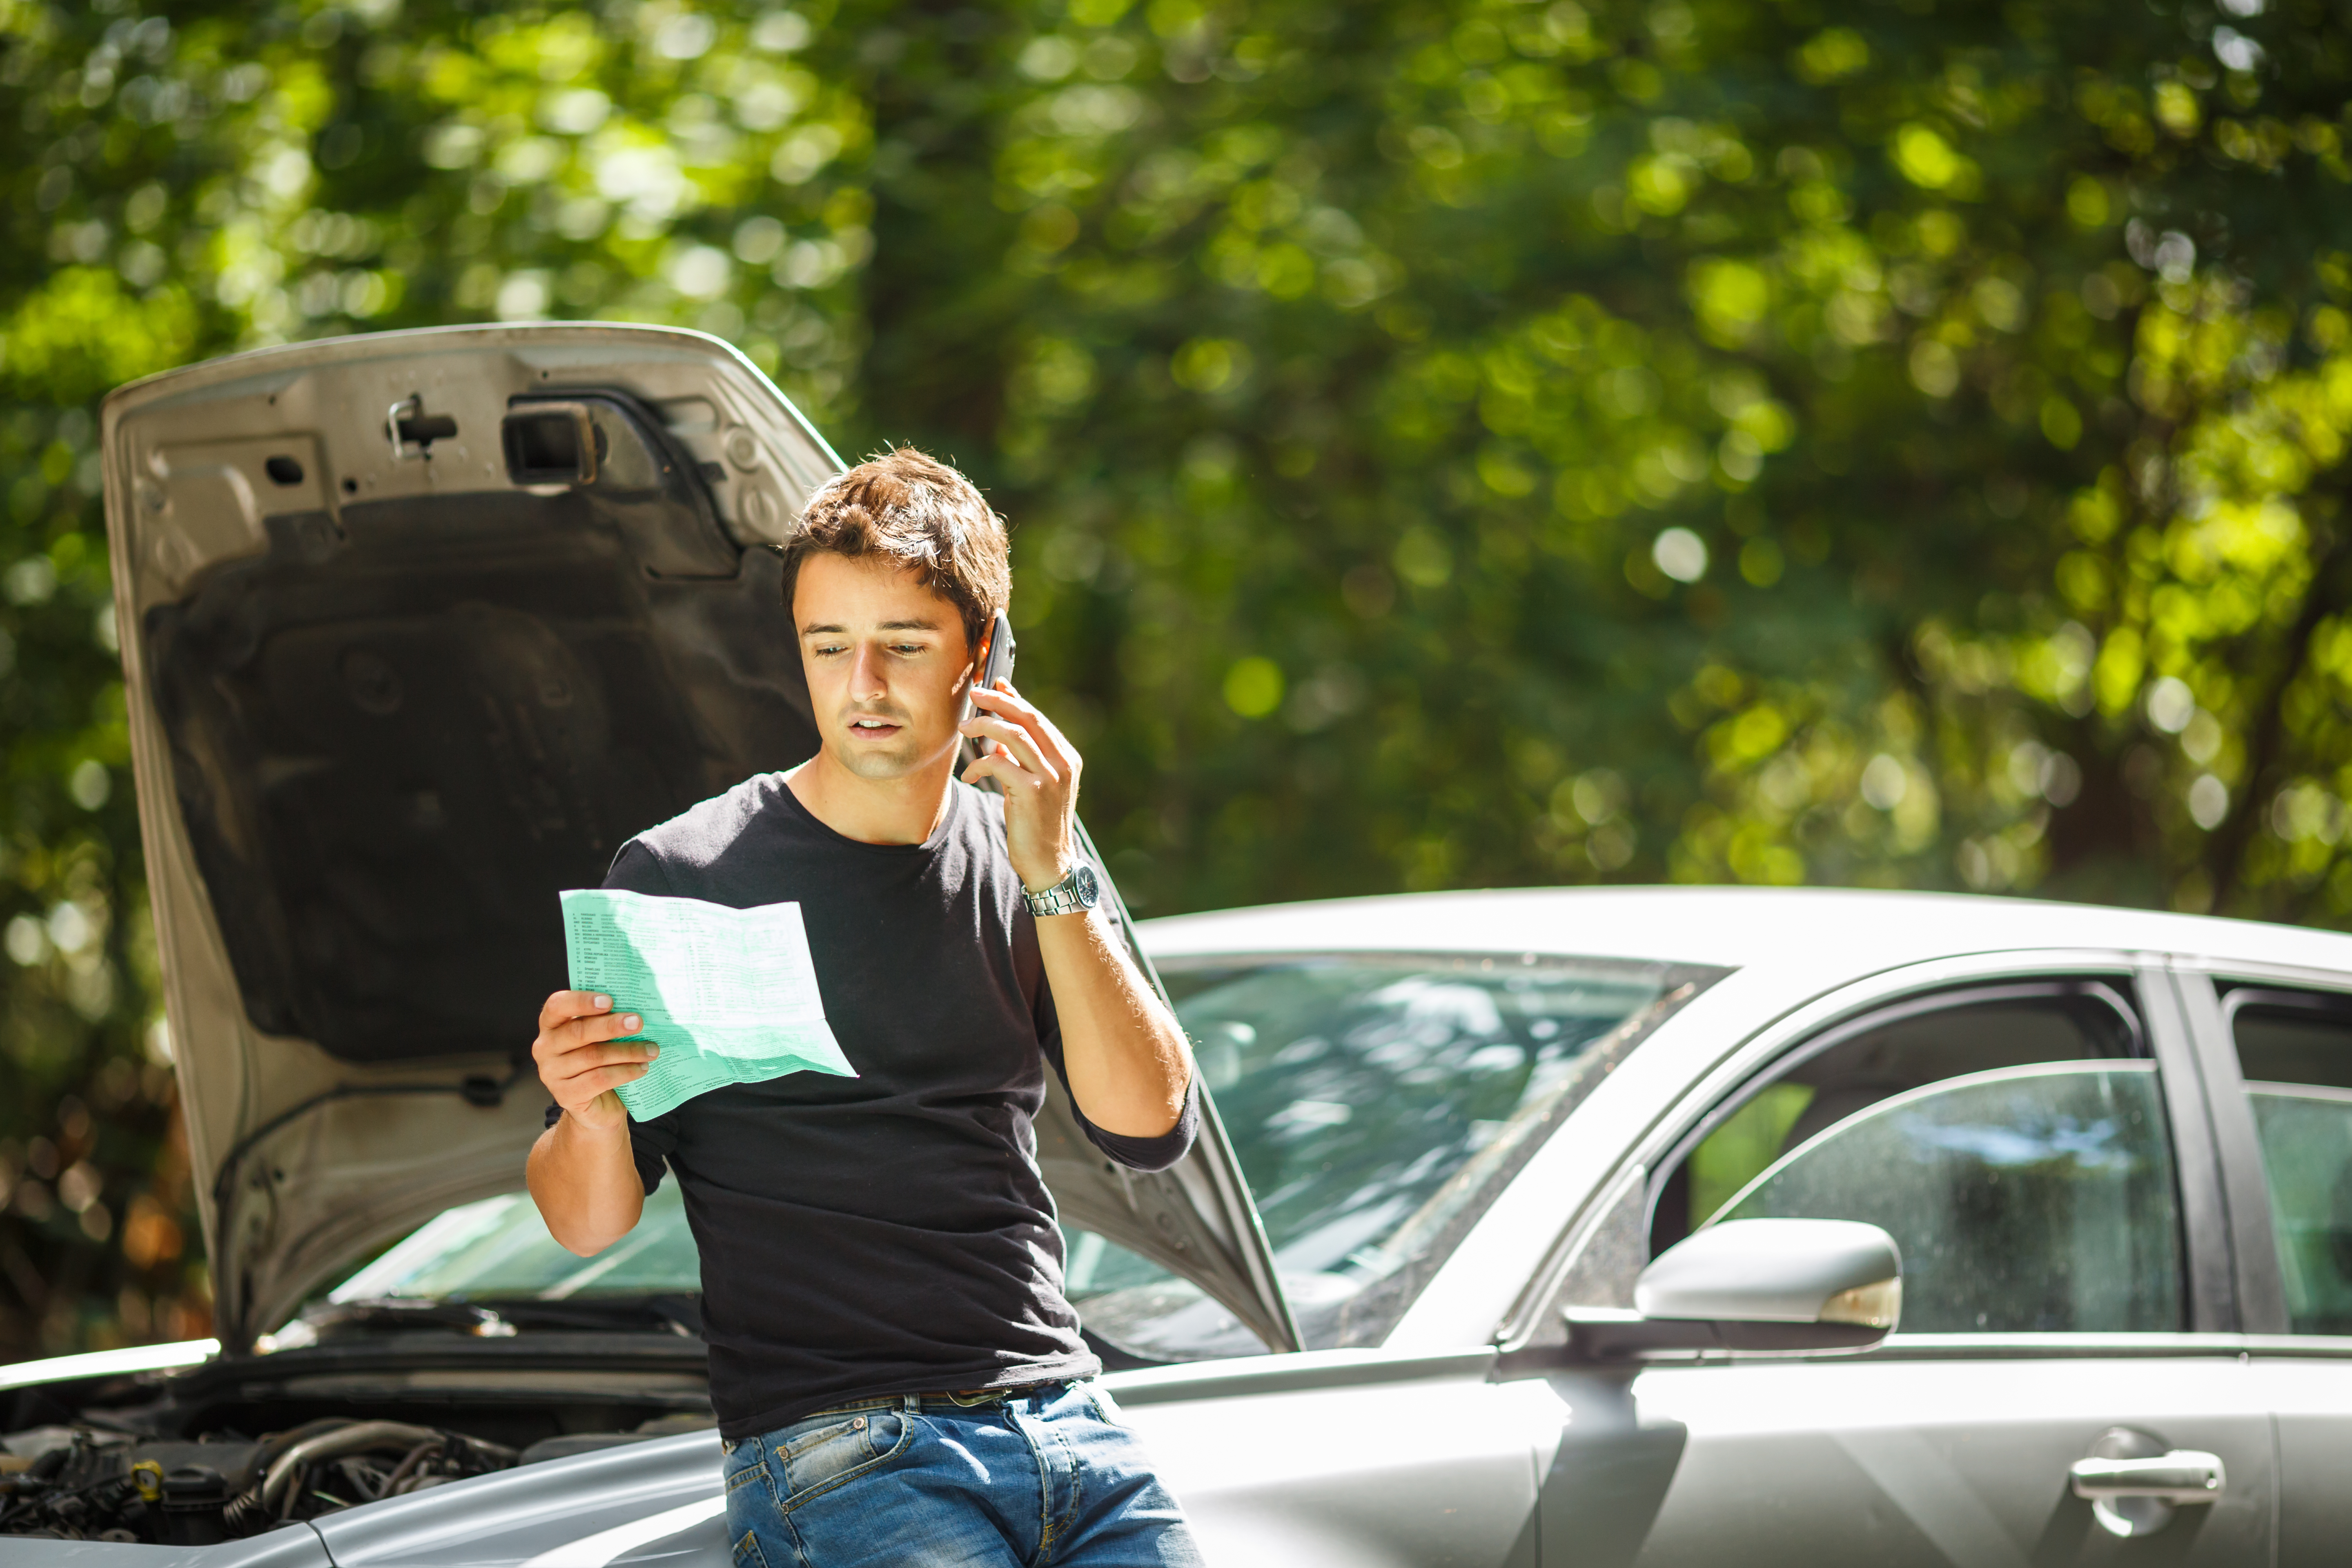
(417, 629)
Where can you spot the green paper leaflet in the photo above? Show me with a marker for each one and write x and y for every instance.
(731, 995)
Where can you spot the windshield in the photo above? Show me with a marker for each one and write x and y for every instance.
(1377, 1103)
(499, 1249)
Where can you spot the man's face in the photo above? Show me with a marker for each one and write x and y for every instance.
(887, 663)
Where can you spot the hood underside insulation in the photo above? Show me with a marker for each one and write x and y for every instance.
(400, 732)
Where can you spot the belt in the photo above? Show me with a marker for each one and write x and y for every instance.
(963, 1398)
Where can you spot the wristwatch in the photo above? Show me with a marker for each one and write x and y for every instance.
(1079, 890)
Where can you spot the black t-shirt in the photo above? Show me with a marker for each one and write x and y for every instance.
(888, 1233)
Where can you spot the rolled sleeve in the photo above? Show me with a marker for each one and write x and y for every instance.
(1147, 1153)
(1135, 1153)
(649, 1146)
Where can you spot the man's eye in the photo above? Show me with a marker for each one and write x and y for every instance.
(908, 648)
(825, 650)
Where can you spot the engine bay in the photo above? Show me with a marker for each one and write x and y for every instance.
(245, 1444)
(84, 1483)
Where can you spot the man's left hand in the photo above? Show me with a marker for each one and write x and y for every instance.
(1037, 768)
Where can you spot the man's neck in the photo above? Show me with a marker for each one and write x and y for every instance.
(903, 810)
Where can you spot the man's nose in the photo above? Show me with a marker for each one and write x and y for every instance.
(865, 681)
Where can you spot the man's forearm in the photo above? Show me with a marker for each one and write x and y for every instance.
(585, 1182)
(1126, 1058)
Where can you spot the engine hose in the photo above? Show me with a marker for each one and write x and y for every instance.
(242, 1516)
(244, 1513)
(356, 1438)
(408, 1466)
(277, 1443)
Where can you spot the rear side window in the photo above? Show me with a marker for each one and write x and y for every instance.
(2305, 1042)
(2295, 1049)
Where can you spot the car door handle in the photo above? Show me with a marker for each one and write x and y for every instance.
(2182, 1476)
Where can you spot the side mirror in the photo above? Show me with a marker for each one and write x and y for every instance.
(1756, 1285)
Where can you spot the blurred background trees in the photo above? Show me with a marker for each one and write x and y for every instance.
(1447, 445)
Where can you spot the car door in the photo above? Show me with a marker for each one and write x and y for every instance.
(2276, 1053)
(2037, 1147)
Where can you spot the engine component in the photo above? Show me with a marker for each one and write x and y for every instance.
(88, 1484)
(196, 1506)
(357, 1438)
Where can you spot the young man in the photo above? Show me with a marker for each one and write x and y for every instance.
(896, 1375)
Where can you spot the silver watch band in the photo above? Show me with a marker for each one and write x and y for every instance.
(1076, 891)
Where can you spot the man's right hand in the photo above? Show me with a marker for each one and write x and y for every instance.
(580, 1061)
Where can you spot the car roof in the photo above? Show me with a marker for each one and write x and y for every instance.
(1731, 927)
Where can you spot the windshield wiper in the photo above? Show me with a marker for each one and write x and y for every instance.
(679, 1315)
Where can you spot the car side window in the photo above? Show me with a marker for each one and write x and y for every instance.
(2025, 1200)
(2015, 1144)
(2294, 1050)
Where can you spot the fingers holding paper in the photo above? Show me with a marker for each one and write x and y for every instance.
(581, 1058)
(1037, 769)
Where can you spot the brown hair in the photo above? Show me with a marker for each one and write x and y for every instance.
(915, 509)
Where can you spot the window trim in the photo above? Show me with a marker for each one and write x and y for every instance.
(2236, 997)
(2333, 1093)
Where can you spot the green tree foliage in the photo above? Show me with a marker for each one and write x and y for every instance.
(1447, 444)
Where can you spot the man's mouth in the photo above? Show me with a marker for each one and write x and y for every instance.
(877, 727)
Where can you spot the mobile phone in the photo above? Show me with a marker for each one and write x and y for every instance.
(996, 664)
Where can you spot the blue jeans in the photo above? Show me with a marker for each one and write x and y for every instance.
(919, 1482)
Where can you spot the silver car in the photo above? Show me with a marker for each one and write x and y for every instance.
(1529, 1227)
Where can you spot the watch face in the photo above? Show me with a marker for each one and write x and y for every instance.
(1083, 886)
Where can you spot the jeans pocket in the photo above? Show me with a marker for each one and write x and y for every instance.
(747, 1554)
(813, 1463)
(1106, 1408)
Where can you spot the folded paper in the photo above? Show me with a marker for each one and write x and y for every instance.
(729, 995)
